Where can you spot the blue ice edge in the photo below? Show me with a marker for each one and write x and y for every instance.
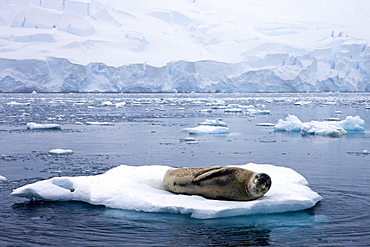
(140, 188)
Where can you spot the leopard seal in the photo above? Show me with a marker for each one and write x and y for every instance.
(218, 182)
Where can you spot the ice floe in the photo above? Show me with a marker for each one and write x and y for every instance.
(140, 188)
(234, 110)
(36, 126)
(120, 104)
(328, 128)
(206, 129)
(258, 112)
(363, 152)
(2, 178)
(14, 103)
(265, 124)
(60, 151)
(214, 122)
(100, 123)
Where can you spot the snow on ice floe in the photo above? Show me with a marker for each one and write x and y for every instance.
(328, 128)
(140, 188)
(36, 126)
(60, 151)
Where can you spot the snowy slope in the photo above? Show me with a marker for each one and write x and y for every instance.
(184, 45)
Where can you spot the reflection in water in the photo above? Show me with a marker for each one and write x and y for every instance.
(42, 222)
(232, 231)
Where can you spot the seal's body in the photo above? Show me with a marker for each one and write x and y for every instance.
(218, 182)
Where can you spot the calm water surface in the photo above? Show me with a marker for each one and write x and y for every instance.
(147, 131)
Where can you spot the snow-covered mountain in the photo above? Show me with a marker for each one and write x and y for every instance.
(184, 45)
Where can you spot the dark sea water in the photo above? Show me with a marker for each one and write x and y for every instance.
(147, 131)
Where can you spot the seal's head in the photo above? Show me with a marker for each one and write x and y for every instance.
(259, 185)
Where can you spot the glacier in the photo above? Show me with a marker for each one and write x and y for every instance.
(184, 46)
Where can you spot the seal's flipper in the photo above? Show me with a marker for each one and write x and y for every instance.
(213, 172)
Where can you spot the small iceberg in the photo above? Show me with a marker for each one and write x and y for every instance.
(206, 129)
(265, 124)
(189, 140)
(14, 103)
(2, 178)
(100, 123)
(258, 112)
(106, 103)
(120, 104)
(60, 151)
(140, 188)
(233, 110)
(364, 152)
(216, 122)
(326, 128)
(35, 126)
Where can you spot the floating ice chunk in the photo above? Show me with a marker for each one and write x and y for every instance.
(206, 129)
(36, 126)
(2, 178)
(233, 110)
(141, 188)
(302, 103)
(352, 123)
(18, 103)
(292, 123)
(322, 128)
(120, 104)
(100, 123)
(329, 128)
(332, 119)
(187, 139)
(60, 151)
(265, 124)
(258, 112)
(216, 122)
(192, 142)
(364, 152)
(106, 103)
(206, 110)
(218, 107)
(233, 106)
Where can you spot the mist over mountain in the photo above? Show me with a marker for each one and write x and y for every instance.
(184, 46)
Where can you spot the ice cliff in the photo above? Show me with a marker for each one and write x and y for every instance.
(184, 46)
